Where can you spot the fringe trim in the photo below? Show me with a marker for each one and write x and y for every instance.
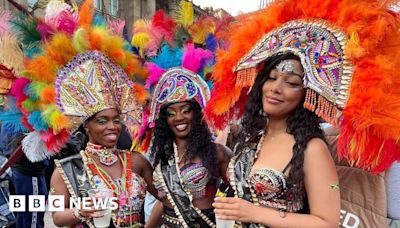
(169, 197)
(321, 107)
(246, 77)
(69, 186)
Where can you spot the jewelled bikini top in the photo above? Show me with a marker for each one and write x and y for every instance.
(273, 189)
(129, 204)
(195, 178)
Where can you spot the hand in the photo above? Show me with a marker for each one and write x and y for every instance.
(91, 213)
(236, 209)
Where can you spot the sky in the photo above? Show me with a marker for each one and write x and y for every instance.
(231, 6)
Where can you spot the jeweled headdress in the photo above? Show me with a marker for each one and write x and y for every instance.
(11, 63)
(177, 69)
(79, 66)
(350, 71)
(177, 85)
(11, 56)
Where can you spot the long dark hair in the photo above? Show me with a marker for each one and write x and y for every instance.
(199, 142)
(303, 124)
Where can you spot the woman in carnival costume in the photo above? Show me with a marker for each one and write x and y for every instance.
(187, 162)
(81, 77)
(304, 60)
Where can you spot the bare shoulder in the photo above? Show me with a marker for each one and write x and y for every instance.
(317, 147)
(56, 176)
(139, 162)
(139, 156)
(317, 154)
(223, 152)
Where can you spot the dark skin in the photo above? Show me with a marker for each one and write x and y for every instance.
(103, 129)
(179, 119)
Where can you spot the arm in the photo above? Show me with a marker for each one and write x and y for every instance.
(319, 176)
(155, 218)
(67, 217)
(224, 155)
(145, 171)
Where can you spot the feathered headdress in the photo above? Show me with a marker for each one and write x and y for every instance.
(11, 62)
(82, 67)
(349, 51)
(177, 69)
(11, 56)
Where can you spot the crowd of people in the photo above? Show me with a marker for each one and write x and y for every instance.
(285, 117)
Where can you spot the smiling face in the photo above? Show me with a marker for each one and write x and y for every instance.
(283, 91)
(179, 119)
(104, 128)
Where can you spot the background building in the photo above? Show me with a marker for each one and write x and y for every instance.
(264, 3)
(127, 10)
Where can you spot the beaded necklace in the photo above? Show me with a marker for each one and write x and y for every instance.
(126, 163)
(106, 155)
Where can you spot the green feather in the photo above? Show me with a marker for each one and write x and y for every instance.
(181, 36)
(26, 28)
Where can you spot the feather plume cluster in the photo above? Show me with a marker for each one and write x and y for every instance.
(58, 38)
(370, 126)
(180, 41)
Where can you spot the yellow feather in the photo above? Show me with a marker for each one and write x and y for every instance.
(185, 14)
(140, 41)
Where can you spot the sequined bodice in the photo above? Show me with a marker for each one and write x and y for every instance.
(195, 177)
(273, 189)
(135, 194)
(130, 199)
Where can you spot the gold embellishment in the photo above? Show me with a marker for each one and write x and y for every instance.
(52, 190)
(330, 78)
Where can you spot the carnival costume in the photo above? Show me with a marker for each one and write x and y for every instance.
(349, 51)
(80, 66)
(11, 62)
(176, 74)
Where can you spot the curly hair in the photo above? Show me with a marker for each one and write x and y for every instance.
(303, 124)
(199, 139)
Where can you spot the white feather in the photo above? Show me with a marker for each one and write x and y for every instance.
(34, 148)
(54, 8)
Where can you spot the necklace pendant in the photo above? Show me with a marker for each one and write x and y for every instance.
(108, 158)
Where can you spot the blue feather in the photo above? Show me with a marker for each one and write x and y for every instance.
(99, 21)
(168, 57)
(31, 52)
(35, 119)
(10, 125)
(211, 43)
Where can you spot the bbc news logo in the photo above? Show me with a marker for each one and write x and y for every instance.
(37, 203)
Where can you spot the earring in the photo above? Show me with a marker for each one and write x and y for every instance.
(262, 113)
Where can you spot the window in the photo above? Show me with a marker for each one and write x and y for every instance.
(114, 7)
(31, 3)
(98, 4)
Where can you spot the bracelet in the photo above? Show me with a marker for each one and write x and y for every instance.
(77, 215)
(282, 214)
